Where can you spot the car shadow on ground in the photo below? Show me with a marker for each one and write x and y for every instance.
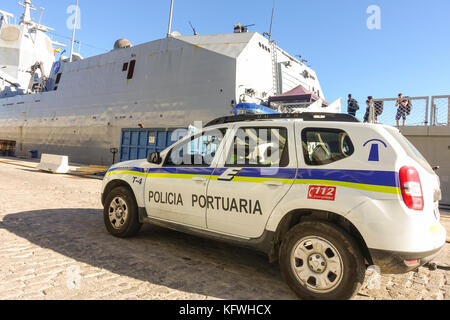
(158, 256)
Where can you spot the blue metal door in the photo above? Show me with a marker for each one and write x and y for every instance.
(139, 143)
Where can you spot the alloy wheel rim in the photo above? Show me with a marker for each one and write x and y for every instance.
(118, 213)
(317, 264)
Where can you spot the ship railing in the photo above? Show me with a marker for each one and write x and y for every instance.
(5, 17)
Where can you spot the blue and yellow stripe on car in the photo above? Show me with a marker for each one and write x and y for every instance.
(366, 180)
(180, 173)
(261, 175)
(127, 171)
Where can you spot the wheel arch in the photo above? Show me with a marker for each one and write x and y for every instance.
(297, 216)
(116, 184)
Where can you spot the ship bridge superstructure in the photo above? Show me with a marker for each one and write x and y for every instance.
(26, 54)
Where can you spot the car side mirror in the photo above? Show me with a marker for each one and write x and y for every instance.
(155, 158)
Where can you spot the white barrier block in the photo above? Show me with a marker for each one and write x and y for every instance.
(53, 163)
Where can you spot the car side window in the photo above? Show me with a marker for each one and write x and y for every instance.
(259, 147)
(198, 151)
(323, 146)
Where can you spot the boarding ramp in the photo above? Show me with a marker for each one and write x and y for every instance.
(54, 164)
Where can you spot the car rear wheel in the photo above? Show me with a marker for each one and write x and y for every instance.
(121, 213)
(318, 260)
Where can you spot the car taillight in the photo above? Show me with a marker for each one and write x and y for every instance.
(411, 188)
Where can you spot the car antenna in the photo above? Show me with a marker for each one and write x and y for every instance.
(193, 29)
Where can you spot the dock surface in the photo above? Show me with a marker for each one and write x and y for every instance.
(54, 246)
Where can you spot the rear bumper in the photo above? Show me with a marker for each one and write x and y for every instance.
(391, 262)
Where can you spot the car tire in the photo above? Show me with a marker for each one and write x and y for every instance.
(320, 261)
(120, 213)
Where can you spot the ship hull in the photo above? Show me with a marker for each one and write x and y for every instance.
(173, 83)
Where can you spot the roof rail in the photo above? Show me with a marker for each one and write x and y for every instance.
(306, 116)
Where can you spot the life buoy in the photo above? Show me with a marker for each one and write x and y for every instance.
(56, 67)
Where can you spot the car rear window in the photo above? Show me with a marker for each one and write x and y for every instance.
(323, 146)
(411, 150)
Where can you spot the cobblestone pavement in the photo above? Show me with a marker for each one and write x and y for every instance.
(53, 245)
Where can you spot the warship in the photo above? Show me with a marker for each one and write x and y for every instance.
(79, 107)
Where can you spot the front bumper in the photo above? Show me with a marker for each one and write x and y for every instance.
(391, 262)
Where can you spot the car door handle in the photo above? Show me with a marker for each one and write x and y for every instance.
(199, 179)
(274, 183)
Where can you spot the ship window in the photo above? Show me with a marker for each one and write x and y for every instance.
(58, 78)
(131, 69)
(125, 67)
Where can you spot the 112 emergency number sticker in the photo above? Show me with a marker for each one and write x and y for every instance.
(322, 193)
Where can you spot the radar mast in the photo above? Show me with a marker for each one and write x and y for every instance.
(26, 17)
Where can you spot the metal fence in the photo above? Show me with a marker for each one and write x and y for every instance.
(425, 111)
(419, 115)
(440, 106)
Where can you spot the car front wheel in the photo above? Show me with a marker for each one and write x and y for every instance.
(121, 213)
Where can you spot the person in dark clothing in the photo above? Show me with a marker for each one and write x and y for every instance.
(371, 115)
(353, 106)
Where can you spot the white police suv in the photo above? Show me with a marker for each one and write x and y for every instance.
(323, 194)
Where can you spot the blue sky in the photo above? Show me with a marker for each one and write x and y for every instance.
(410, 53)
